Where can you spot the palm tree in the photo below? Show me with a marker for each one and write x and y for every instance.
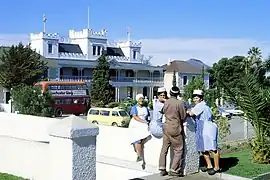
(254, 63)
(253, 98)
(253, 60)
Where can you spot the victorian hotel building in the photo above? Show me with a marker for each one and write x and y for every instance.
(74, 59)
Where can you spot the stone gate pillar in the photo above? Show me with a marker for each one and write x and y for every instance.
(73, 149)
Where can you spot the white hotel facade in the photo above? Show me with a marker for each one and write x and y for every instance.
(75, 58)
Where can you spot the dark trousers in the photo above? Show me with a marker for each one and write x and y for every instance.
(176, 143)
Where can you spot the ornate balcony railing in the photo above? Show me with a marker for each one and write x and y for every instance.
(115, 79)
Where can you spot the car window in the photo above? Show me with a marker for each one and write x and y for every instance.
(94, 112)
(104, 113)
(123, 113)
(115, 113)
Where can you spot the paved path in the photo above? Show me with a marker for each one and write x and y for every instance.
(197, 176)
(237, 129)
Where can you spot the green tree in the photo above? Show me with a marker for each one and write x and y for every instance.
(20, 65)
(174, 78)
(101, 89)
(227, 70)
(30, 100)
(196, 83)
(253, 98)
(255, 64)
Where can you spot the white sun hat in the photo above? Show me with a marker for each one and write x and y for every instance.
(161, 89)
(138, 96)
(198, 92)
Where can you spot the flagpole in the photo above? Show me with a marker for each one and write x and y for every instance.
(88, 18)
(44, 23)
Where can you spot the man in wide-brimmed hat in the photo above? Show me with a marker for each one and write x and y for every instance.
(175, 115)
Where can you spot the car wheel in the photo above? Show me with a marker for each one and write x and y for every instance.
(115, 124)
(58, 112)
(95, 122)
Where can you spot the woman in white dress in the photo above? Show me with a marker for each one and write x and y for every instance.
(139, 126)
(206, 132)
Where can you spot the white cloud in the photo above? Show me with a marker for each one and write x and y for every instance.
(207, 50)
(13, 39)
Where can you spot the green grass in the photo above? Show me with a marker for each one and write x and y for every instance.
(244, 167)
(4, 176)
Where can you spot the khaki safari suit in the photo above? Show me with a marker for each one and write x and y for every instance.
(175, 115)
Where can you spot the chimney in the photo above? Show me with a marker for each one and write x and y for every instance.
(169, 62)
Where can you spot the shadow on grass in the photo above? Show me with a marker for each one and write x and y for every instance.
(225, 163)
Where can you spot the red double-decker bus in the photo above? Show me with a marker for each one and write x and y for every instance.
(69, 97)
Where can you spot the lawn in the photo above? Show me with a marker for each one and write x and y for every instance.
(239, 164)
(4, 176)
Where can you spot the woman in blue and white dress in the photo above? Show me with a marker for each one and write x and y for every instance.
(139, 126)
(156, 124)
(206, 132)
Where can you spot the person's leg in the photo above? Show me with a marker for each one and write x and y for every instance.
(177, 145)
(138, 149)
(163, 155)
(207, 158)
(210, 169)
(216, 160)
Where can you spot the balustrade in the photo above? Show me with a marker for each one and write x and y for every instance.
(113, 79)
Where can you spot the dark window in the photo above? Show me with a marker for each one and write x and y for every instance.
(115, 113)
(94, 112)
(123, 113)
(104, 113)
(184, 80)
(94, 50)
(193, 78)
(134, 54)
(50, 49)
(99, 50)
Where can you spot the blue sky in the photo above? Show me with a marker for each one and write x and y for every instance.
(185, 21)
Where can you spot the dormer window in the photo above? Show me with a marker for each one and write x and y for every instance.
(94, 50)
(134, 55)
(99, 50)
(50, 49)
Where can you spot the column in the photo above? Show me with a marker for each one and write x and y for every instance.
(161, 77)
(135, 75)
(151, 93)
(73, 149)
(118, 73)
(151, 76)
(134, 92)
(118, 94)
(80, 73)
(58, 74)
(48, 74)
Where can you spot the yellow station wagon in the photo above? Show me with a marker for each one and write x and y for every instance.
(108, 116)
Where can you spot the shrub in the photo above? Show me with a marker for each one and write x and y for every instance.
(127, 104)
(113, 104)
(30, 100)
(222, 123)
